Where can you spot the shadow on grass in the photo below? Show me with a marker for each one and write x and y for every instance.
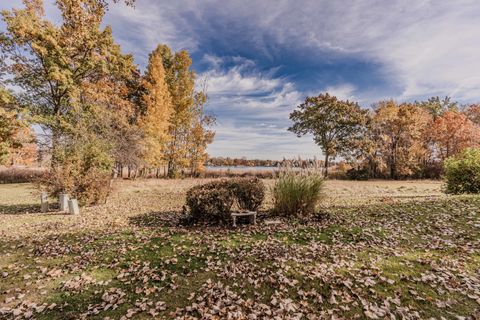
(159, 219)
(18, 209)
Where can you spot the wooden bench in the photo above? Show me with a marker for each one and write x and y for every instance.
(251, 214)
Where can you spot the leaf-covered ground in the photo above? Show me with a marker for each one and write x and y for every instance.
(410, 254)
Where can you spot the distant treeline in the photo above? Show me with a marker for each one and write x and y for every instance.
(389, 140)
(290, 163)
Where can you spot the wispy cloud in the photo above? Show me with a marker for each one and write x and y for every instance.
(422, 47)
(262, 57)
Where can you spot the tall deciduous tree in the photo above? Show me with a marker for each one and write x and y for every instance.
(53, 63)
(188, 130)
(75, 84)
(158, 108)
(365, 154)
(180, 79)
(436, 106)
(333, 123)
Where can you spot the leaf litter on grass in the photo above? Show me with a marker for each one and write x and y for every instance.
(411, 259)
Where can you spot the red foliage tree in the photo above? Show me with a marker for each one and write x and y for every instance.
(453, 132)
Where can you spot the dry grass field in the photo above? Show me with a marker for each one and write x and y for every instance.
(377, 249)
(19, 203)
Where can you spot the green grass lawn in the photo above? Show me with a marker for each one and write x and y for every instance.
(411, 259)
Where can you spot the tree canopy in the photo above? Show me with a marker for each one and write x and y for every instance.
(334, 124)
(96, 107)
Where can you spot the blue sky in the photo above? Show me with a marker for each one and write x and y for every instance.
(261, 58)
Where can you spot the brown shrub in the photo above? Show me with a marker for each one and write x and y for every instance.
(249, 192)
(82, 168)
(213, 201)
(91, 187)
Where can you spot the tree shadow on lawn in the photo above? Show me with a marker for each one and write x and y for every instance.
(338, 214)
(157, 219)
(18, 209)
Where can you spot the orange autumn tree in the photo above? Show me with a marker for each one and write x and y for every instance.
(181, 83)
(10, 126)
(453, 132)
(27, 153)
(399, 130)
(17, 142)
(189, 126)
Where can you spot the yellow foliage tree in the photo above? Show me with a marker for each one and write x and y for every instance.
(180, 80)
(158, 107)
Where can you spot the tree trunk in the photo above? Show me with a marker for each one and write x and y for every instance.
(116, 170)
(172, 170)
(393, 167)
(393, 161)
(325, 174)
(55, 142)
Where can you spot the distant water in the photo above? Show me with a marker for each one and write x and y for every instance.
(240, 168)
(245, 168)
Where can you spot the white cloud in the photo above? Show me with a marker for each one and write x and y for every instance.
(344, 91)
(423, 47)
(214, 61)
(139, 30)
(241, 79)
(233, 82)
